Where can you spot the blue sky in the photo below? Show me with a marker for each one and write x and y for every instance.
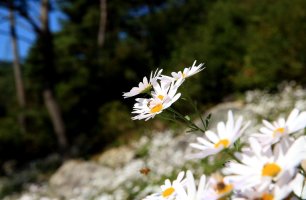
(24, 32)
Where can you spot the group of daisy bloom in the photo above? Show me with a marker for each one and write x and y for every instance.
(270, 166)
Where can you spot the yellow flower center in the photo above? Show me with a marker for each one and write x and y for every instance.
(156, 108)
(267, 197)
(223, 188)
(270, 169)
(168, 192)
(161, 97)
(279, 130)
(224, 142)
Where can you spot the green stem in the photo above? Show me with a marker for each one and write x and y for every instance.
(231, 155)
(188, 122)
(167, 118)
(195, 107)
(197, 111)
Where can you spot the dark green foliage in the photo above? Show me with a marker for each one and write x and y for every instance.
(245, 45)
(276, 46)
(114, 121)
(7, 97)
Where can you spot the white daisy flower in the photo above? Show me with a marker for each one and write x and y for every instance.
(275, 191)
(189, 191)
(163, 89)
(272, 132)
(169, 190)
(182, 75)
(162, 98)
(259, 168)
(144, 86)
(226, 135)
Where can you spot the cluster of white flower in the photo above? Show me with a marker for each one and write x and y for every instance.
(162, 90)
(267, 167)
(263, 103)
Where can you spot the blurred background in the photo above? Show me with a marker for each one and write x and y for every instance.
(65, 64)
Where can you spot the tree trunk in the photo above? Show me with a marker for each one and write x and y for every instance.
(55, 114)
(17, 70)
(102, 25)
(48, 76)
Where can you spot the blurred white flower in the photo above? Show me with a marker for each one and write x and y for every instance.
(226, 135)
(272, 193)
(190, 192)
(169, 190)
(212, 189)
(220, 186)
(260, 168)
(273, 132)
(299, 186)
(145, 85)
